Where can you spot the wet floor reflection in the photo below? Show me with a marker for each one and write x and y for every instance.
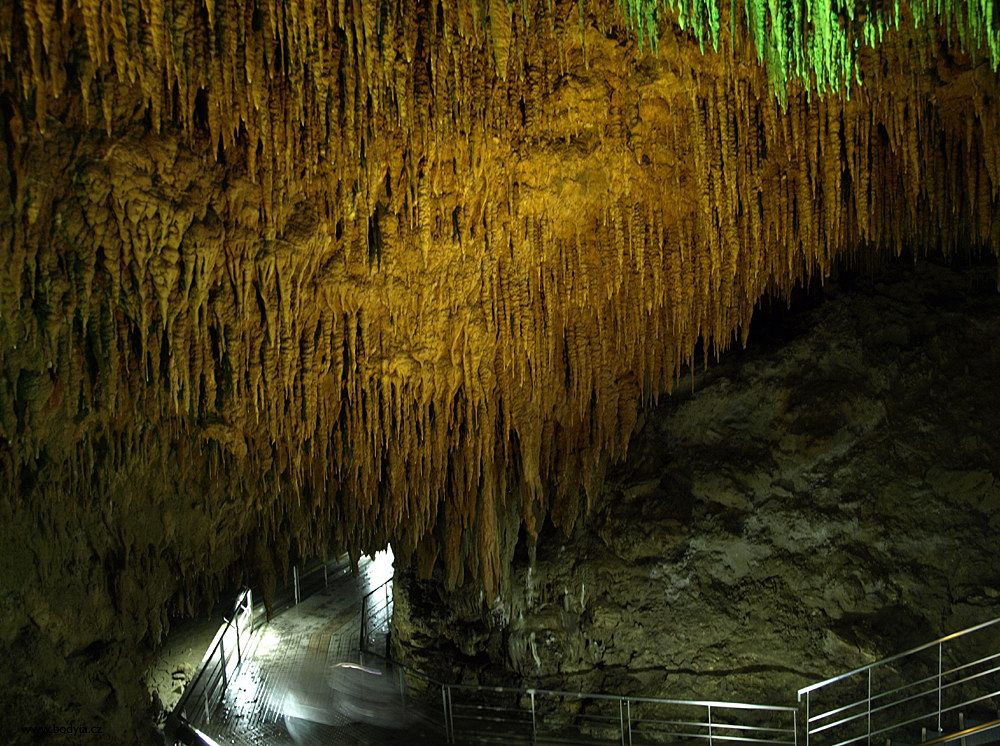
(324, 698)
(304, 682)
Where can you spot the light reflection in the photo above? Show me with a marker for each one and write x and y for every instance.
(267, 641)
(205, 738)
(379, 568)
(322, 696)
(246, 691)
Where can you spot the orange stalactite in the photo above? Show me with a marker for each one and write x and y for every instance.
(419, 262)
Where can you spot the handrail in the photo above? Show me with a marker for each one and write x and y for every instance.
(376, 589)
(178, 727)
(482, 712)
(927, 692)
(897, 656)
(897, 690)
(533, 716)
(521, 708)
(981, 728)
(177, 721)
(365, 613)
(304, 582)
(650, 700)
(458, 715)
(450, 708)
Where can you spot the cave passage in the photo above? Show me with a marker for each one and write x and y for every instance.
(295, 675)
(285, 279)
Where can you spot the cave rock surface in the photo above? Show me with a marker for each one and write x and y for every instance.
(826, 497)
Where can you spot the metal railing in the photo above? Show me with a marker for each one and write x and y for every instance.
(964, 734)
(215, 671)
(499, 714)
(219, 666)
(484, 714)
(929, 688)
(376, 613)
(306, 580)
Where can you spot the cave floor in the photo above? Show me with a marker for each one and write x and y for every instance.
(177, 660)
(283, 692)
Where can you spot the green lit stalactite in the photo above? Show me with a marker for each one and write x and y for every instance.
(816, 42)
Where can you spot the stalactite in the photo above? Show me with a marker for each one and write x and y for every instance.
(399, 304)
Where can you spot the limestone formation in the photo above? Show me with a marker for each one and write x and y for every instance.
(279, 277)
(822, 500)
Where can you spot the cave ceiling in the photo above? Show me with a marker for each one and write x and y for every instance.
(281, 276)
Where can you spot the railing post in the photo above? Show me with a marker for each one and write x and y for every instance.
(385, 616)
(621, 718)
(795, 727)
(807, 718)
(710, 738)
(222, 654)
(940, 659)
(295, 576)
(444, 715)
(239, 648)
(451, 716)
(628, 719)
(869, 707)
(534, 727)
(364, 613)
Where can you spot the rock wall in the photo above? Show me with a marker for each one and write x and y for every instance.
(281, 277)
(826, 498)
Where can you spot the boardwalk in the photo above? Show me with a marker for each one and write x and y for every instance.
(291, 692)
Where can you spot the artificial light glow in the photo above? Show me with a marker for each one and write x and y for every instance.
(206, 739)
(380, 569)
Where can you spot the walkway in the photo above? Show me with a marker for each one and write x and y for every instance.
(302, 683)
(290, 691)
